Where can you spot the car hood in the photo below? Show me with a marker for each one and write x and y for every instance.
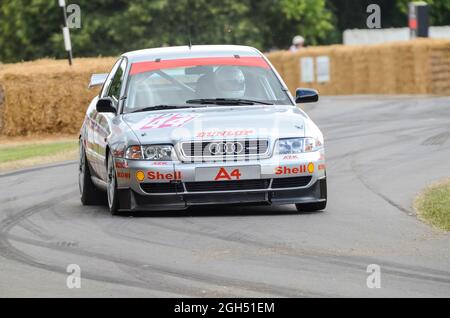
(219, 122)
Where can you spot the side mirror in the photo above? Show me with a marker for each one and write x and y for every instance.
(105, 105)
(306, 95)
(98, 80)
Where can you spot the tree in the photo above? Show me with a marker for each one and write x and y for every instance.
(280, 20)
(31, 29)
(439, 10)
(25, 27)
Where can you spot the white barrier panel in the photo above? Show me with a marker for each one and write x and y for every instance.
(377, 36)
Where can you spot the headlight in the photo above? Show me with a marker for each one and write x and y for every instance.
(298, 145)
(134, 152)
(153, 153)
(158, 153)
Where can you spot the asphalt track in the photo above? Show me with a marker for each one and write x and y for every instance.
(381, 152)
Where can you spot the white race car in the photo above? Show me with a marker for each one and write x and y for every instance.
(183, 126)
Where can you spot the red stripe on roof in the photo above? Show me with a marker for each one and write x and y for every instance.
(142, 67)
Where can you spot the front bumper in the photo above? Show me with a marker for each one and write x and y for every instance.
(133, 201)
(176, 185)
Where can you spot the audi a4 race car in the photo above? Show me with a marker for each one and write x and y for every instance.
(203, 125)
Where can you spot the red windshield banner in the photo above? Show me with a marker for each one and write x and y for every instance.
(254, 61)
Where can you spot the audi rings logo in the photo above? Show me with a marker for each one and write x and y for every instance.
(225, 148)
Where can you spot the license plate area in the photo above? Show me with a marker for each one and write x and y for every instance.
(228, 173)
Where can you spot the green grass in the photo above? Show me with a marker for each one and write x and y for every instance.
(20, 152)
(434, 205)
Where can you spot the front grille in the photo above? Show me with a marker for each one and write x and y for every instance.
(259, 184)
(225, 149)
(162, 187)
(291, 182)
(235, 185)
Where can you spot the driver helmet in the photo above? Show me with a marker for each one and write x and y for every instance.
(230, 81)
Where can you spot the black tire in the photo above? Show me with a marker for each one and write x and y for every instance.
(112, 193)
(89, 194)
(311, 207)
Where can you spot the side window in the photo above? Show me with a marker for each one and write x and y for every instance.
(116, 82)
(107, 84)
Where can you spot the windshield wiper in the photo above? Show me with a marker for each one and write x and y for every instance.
(159, 107)
(226, 101)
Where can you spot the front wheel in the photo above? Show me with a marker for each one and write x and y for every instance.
(113, 199)
(89, 194)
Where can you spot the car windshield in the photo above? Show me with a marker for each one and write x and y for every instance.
(202, 84)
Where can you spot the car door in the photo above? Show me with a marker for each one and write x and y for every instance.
(89, 134)
(91, 147)
(103, 120)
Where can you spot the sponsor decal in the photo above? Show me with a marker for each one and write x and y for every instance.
(167, 121)
(283, 170)
(123, 175)
(287, 170)
(121, 164)
(224, 175)
(160, 163)
(225, 133)
(118, 153)
(156, 175)
(290, 157)
(140, 176)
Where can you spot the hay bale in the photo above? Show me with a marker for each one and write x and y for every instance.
(48, 96)
(2, 100)
(412, 67)
(276, 58)
(292, 67)
(439, 74)
(342, 70)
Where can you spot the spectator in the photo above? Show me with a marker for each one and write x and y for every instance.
(297, 43)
